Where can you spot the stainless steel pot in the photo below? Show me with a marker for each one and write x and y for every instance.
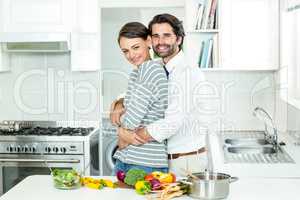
(209, 186)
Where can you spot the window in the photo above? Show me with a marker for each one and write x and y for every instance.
(290, 29)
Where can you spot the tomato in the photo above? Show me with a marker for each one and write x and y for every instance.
(149, 177)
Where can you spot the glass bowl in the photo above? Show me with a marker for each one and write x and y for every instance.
(66, 179)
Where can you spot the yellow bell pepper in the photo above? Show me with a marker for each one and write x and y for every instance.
(142, 187)
(97, 183)
(107, 183)
(94, 185)
(166, 178)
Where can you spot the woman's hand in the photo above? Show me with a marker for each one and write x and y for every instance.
(122, 144)
(116, 111)
(130, 137)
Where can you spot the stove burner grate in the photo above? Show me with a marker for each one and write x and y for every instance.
(50, 131)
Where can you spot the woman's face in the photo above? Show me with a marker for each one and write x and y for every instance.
(136, 50)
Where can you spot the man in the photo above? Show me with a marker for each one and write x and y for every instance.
(186, 144)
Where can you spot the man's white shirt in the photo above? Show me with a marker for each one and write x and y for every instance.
(181, 124)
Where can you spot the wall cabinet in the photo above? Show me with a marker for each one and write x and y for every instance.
(246, 34)
(80, 18)
(37, 16)
(85, 36)
(85, 54)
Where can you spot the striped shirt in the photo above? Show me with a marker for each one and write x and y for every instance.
(145, 101)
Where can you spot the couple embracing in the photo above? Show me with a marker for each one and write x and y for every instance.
(155, 116)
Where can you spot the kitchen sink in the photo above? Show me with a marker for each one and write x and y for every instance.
(251, 150)
(246, 142)
(251, 147)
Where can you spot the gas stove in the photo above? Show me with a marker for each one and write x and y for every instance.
(31, 147)
(44, 137)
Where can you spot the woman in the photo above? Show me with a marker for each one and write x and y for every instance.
(145, 101)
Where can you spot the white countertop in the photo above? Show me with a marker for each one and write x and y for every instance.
(39, 187)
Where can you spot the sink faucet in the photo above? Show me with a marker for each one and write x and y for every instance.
(273, 139)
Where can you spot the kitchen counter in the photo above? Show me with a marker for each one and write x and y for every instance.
(39, 187)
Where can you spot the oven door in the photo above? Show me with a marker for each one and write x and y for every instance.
(14, 169)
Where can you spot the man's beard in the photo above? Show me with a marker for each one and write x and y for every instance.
(171, 50)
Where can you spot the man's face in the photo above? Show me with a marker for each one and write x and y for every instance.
(164, 41)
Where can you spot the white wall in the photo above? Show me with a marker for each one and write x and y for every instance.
(293, 118)
(238, 93)
(42, 87)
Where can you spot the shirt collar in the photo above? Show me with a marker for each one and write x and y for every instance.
(177, 60)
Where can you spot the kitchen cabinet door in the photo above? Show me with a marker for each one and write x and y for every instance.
(37, 15)
(85, 39)
(85, 54)
(249, 34)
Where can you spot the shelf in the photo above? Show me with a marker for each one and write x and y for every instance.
(237, 70)
(204, 31)
(229, 49)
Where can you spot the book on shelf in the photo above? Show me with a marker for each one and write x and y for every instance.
(211, 61)
(193, 11)
(209, 53)
(201, 53)
(212, 15)
(199, 16)
(215, 51)
(206, 53)
(206, 14)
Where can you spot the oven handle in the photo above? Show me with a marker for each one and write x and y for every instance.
(39, 160)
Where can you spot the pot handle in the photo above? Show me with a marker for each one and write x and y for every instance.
(233, 179)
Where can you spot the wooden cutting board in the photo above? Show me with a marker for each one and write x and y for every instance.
(123, 185)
